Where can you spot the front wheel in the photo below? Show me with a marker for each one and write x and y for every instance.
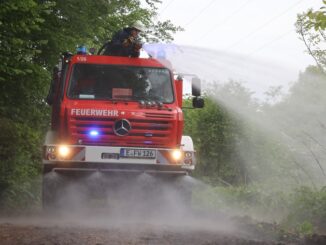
(50, 190)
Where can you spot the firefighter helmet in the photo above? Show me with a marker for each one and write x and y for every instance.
(138, 26)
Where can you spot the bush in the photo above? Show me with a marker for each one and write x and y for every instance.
(302, 210)
(20, 155)
(307, 208)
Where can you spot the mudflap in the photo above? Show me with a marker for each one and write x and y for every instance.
(146, 190)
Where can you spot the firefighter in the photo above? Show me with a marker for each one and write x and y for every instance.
(125, 42)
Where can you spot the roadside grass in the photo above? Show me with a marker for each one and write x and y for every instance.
(301, 211)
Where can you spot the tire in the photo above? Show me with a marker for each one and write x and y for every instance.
(50, 190)
(64, 192)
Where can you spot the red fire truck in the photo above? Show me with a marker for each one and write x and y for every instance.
(116, 114)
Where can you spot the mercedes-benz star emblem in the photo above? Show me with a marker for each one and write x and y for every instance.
(121, 127)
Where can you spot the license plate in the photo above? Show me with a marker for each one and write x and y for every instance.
(110, 155)
(137, 153)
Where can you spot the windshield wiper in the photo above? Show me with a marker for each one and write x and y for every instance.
(156, 98)
(139, 97)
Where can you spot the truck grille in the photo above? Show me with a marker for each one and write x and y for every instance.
(152, 131)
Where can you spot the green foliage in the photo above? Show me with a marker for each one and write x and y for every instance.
(250, 200)
(318, 18)
(311, 28)
(214, 133)
(301, 210)
(20, 164)
(306, 228)
(303, 128)
(307, 210)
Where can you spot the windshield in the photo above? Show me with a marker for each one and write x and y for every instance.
(109, 82)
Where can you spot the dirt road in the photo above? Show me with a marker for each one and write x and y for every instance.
(101, 229)
(140, 234)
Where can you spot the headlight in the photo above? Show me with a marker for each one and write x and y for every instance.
(188, 154)
(49, 153)
(63, 151)
(176, 154)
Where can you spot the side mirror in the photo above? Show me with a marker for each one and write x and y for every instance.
(196, 86)
(198, 102)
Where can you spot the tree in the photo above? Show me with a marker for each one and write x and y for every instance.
(217, 130)
(300, 118)
(318, 18)
(70, 23)
(311, 26)
(312, 39)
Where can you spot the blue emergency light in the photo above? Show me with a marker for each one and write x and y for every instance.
(82, 50)
(93, 133)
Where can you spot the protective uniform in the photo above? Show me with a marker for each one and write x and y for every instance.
(123, 44)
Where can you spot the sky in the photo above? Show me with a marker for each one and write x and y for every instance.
(256, 31)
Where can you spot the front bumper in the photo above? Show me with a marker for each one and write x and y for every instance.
(85, 158)
(89, 167)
